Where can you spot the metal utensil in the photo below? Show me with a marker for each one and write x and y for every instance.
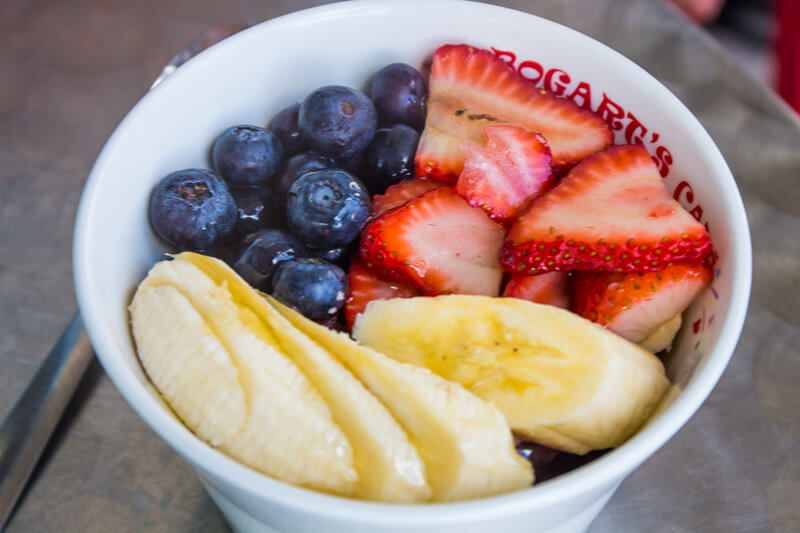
(27, 428)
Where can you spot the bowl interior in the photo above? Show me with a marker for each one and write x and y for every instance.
(249, 77)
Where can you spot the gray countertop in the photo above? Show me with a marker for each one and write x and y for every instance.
(70, 70)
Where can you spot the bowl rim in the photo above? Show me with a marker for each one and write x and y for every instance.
(599, 473)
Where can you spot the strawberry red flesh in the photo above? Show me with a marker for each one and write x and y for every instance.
(550, 288)
(400, 193)
(611, 213)
(437, 243)
(502, 177)
(634, 305)
(471, 89)
(364, 287)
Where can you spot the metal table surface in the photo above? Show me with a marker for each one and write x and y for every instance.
(69, 70)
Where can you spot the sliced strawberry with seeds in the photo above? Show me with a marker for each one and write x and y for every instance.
(438, 243)
(611, 213)
(634, 305)
(551, 288)
(511, 170)
(364, 286)
(400, 193)
(471, 88)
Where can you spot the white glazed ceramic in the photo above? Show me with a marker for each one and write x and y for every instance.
(252, 75)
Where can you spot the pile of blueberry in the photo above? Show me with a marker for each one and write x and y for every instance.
(285, 204)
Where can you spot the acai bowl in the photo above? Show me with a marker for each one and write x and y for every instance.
(247, 79)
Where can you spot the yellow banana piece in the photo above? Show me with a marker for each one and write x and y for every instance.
(388, 465)
(559, 379)
(465, 442)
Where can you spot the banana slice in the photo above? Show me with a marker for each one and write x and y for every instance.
(661, 339)
(182, 354)
(388, 465)
(560, 380)
(465, 442)
(200, 348)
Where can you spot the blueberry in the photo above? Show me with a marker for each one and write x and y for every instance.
(256, 208)
(354, 164)
(337, 122)
(247, 156)
(260, 254)
(284, 125)
(537, 454)
(314, 287)
(390, 157)
(399, 94)
(334, 255)
(334, 322)
(192, 209)
(297, 166)
(327, 208)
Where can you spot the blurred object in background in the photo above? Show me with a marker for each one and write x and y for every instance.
(751, 19)
(764, 35)
(745, 29)
(702, 11)
(787, 50)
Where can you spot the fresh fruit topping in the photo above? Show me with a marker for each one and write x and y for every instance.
(565, 462)
(334, 322)
(260, 254)
(256, 208)
(223, 373)
(464, 442)
(388, 465)
(296, 166)
(364, 286)
(438, 243)
(247, 156)
(511, 170)
(390, 157)
(192, 209)
(559, 379)
(398, 91)
(551, 288)
(400, 193)
(334, 255)
(471, 88)
(354, 164)
(327, 208)
(314, 287)
(661, 339)
(337, 121)
(284, 126)
(537, 454)
(635, 305)
(613, 213)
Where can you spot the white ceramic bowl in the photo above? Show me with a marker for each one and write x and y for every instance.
(252, 75)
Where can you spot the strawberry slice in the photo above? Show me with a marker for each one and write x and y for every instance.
(471, 88)
(438, 243)
(400, 193)
(551, 288)
(364, 286)
(612, 213)
(512, 169)
(634, 305)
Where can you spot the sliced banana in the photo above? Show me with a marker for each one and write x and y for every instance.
(661, 339)
(465, 442)
(559, 379)
(181, 355)
(220, 369)
(389, 467)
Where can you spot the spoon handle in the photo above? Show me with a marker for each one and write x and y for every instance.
(26, 429)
